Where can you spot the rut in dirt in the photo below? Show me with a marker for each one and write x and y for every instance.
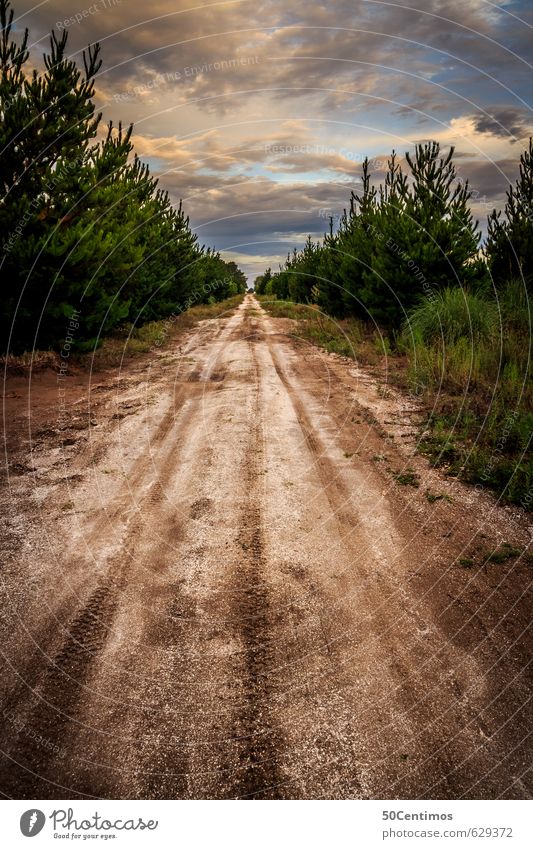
(243, 604)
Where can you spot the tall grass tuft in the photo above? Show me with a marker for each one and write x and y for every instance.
(451, 315)
(469, 355)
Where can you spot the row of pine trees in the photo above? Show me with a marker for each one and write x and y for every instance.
(408, 239)
(84, 226)
(406, 266)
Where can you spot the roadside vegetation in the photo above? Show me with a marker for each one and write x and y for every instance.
(123, 343)
(406, 275)
(86, 232)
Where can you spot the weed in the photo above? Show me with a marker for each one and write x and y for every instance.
(452, 315)
(383, 391)
(407, 478)
(469, 356)
(30, 361)
(342, 337)
(501, 554)
(433, 497)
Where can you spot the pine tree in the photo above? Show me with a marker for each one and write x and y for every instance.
(447, 237)
(85, 224)
(395, 244)
(384, 280)
(509, 246)
(48, 122)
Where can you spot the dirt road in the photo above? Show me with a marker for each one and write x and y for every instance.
(215, 587)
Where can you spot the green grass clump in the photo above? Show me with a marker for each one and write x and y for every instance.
(503, 553)
(407, 478)
(342, 337)
(469, 360)
(454, 315)
(432, 498)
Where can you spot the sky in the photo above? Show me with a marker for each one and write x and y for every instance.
(259, 113)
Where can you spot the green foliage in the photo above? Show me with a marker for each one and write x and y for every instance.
(406, 258)
(504, 552)
(453, 314)
(336, 336)
(262, 282)
(510, 236)
(85, 226)
(411, 236)
(407, 478)
(469, 355)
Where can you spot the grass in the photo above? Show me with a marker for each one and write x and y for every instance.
(469, 361)
(454, 315)
(30, 361)
(501, 554)
(407, 478)
(383, 391)
(132, 341)
(432, 498)
(466, 357)
(347, 337)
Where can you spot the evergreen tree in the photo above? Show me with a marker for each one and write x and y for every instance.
(85, 225)
(261, 282)
(394, 244)
(303, 269)
(378, 224)
(446, 236)
(510, 237)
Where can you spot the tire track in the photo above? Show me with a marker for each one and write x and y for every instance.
(261, 746)
(54, 701)
(248, 626)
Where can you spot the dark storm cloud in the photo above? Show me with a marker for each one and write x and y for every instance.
(256, 210)
(505, 122)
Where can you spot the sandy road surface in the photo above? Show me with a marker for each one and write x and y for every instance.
(215, 588)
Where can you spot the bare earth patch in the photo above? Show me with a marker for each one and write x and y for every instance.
(229, 574)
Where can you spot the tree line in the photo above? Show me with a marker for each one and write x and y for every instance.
(406, 266)
(85, 228)
(408, 239)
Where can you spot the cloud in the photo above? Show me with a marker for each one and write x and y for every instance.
(262, 210)
(506, 122)
(214, 87)
(489, 181)
(318, 51)
(311, 159)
